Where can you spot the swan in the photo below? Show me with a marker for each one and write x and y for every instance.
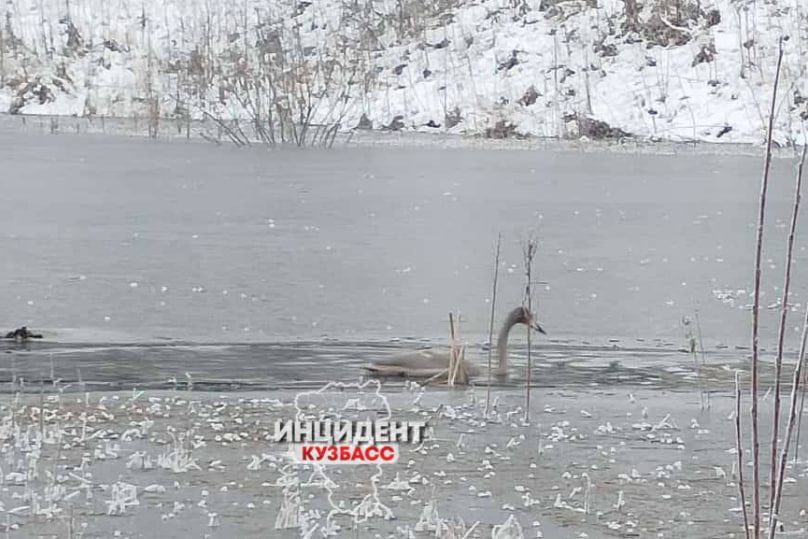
(431, 363)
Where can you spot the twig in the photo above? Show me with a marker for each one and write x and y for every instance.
(778, 365)
(452, 352)
(491, 326)
(530, 252)
(692, 344)
(792, 416)
(739, 451)
(677, 28)
(703, 354)
(802, 404)
(455, 357)
(756, 304)
(799, 422)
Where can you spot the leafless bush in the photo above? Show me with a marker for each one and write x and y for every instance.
(289, 90)
(502, 129)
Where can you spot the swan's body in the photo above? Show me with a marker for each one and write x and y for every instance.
(433, 363)
(421, 364)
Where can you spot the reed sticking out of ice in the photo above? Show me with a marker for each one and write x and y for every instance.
(691, 338)
(509, 530)
(702, 353)
(756, 303)
(456, 373)
(530, 252)
(778, 475)
(739, 451)
(491, 325)
(289, 514)
(123, 496)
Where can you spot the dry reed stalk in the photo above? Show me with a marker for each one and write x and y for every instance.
(456, 372)
(777, 481)
(802, 402)
(530, 252)
(691, 338)
(756, 303)
(41, 409)
(703, 354)
(462, 375)
(452, 352)
(491, 326)
(799, 419)
(739, 451)
(778, 366)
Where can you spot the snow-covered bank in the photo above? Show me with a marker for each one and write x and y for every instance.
(683, 71)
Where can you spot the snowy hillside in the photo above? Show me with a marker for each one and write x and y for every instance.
(671, 69)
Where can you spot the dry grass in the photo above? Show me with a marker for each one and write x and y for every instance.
(530, 253)
(458, 372)
(491, 326)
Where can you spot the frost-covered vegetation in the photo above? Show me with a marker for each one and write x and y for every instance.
(301, 71)
(179, 463)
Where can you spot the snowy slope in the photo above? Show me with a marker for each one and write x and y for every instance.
(458, 66)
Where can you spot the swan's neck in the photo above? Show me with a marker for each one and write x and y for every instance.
(502, 342)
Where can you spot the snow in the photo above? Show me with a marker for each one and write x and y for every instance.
(449, 58)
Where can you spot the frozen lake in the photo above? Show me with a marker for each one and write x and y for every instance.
(142, 260)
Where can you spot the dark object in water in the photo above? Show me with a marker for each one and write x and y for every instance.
(22, 334)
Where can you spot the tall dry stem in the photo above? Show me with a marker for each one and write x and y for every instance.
(799, 420)
(802, 396)
(703, 355)
(456, 372)
(530, 253)
(491, 326)
(739, 451)
(756, 304)
(777, 485)
(778, 365)
(691, 338)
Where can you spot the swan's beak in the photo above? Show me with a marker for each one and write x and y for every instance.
(535, 325)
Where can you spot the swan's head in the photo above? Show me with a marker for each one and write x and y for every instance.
(524, 316)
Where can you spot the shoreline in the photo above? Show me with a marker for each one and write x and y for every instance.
(137, 128)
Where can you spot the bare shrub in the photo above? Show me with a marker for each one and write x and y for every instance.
(453, 117)
(289, 88)
(502, 129)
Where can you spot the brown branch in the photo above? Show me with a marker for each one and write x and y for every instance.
(230, 133)
(739, 451)
(778, 365)
(756, 304)
(792, 416)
